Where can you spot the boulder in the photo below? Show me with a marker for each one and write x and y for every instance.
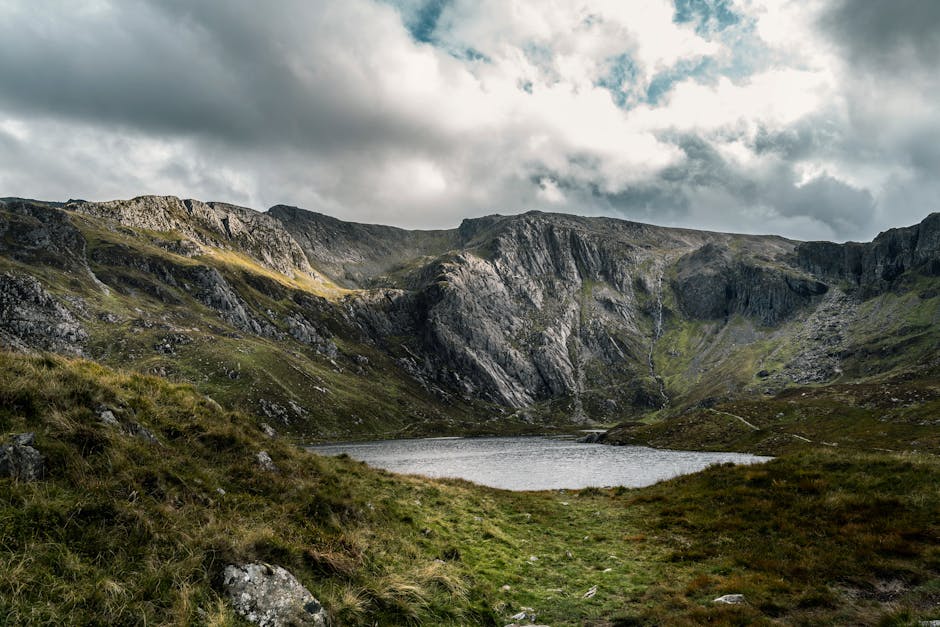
(264, 460)
(20, 460)
(731, 599)
(270, 596)
(106, 416)
(268, 430)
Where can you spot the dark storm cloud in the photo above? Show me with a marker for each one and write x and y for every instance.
(846, 209)
(222, 70)
(886, 35)
(705, 182)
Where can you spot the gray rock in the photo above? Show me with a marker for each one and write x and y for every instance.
(731, 599)
(208, 224)
(874, 267)
(106, 416)
(264, 460)
(268, 430)
(31, 318)
(711, 284)
(20, 460)
(270, 596)
(41, 234)
(305, 332)
(274, 410)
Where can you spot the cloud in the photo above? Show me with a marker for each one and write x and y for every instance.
(886, 35)
(745, 115)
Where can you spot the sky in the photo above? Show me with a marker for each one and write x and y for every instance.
(812, 119)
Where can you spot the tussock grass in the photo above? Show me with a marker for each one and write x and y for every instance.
(125, 532)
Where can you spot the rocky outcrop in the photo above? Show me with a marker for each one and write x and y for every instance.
(31, 318)
(20, 460)
(874, 267)
(39, 233)
(711, 283)
(204, 283)
(543, 306)
(586, 317)
(214, 291)
(265, 462)
(213, 224)
(270, 596)
(820, 341)
(306, 332)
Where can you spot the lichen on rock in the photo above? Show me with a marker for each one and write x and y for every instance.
(270, 596)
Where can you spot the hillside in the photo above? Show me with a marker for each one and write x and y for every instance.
(164, 357)
(507, 324)
(151, 489)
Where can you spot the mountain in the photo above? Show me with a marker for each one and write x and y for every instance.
(516, 323)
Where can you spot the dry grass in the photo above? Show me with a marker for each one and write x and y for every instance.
(123, 531)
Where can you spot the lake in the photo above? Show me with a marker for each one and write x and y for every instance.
(532, 463)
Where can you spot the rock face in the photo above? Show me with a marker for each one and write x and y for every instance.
(711, 284)
(20, 460)
(543, 306)
(212, 224)
(33, 232)
(588, 318)
(270, 596)
(874, 267)
(30, 317)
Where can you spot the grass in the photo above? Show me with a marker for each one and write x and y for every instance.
(840, 529)
(315, 283)
(895, 414)
(123, 531)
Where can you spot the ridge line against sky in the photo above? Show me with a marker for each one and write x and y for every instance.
(812, 119)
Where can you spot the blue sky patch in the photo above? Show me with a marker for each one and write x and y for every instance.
(420, 17)
(708, 16)
(620, 79)
(703, 70)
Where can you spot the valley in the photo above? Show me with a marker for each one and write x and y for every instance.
(155, 347)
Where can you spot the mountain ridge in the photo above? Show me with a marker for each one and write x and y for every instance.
(533, 318)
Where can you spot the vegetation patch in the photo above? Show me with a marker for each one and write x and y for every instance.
(127, 530)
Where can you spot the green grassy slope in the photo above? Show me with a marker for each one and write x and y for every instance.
(123, 531)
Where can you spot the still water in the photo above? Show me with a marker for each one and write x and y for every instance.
(532, 463)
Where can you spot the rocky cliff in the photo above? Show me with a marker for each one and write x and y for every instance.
(209, 224)
(876, 266)
(532, 316)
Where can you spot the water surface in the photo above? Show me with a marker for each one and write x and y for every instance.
(532, 463)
